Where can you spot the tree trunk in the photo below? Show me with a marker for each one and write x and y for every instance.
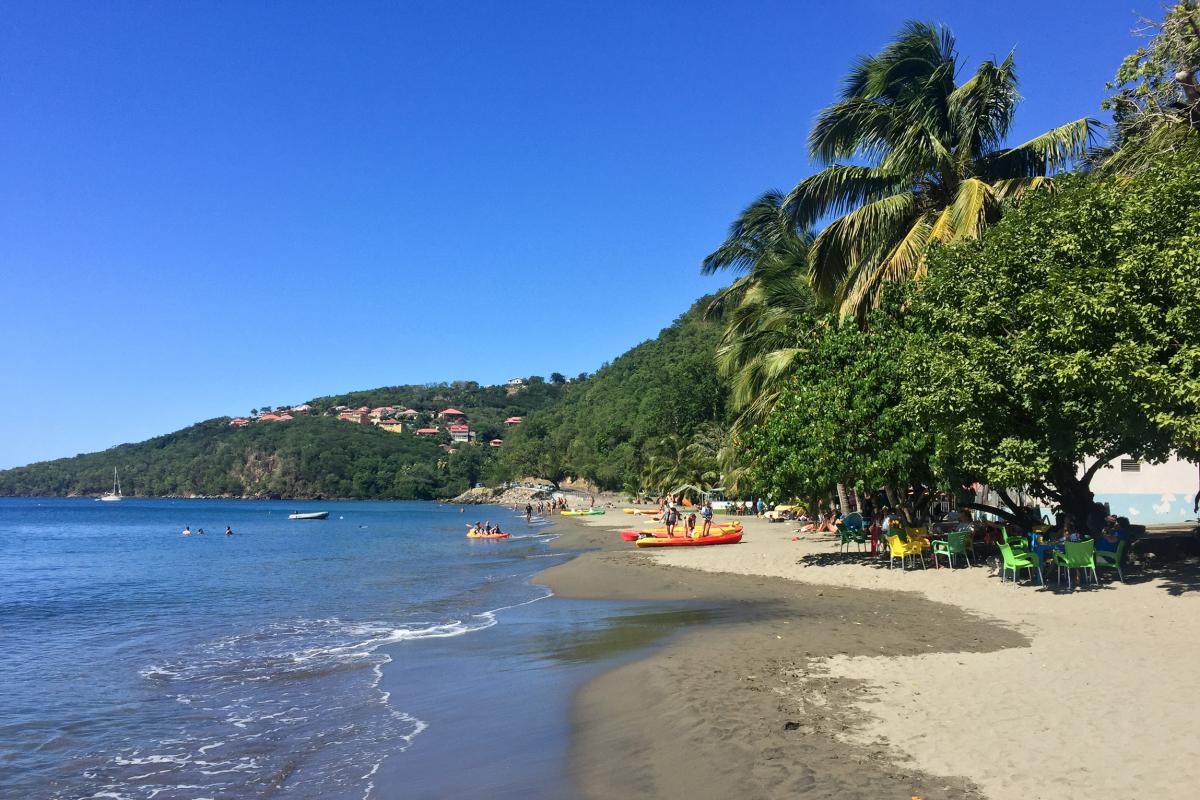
(842, 503)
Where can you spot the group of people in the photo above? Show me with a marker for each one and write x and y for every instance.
(187, 531)
(485, 529)
(543, 507)
(671, 518)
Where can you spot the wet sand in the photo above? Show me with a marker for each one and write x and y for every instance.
(742, 705)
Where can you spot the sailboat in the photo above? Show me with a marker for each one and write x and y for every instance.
(115, 494)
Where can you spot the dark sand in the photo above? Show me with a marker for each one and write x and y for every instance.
(732, 708)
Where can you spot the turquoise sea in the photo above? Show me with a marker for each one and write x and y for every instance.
(378, 653)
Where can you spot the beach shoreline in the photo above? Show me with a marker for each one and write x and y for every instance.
(712, 712)
(831, 676)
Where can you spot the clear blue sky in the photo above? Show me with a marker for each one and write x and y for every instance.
(206, 207)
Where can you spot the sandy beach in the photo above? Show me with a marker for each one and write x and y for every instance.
(824, 676)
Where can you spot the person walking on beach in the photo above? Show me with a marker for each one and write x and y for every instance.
(706, 513)
(670, 517)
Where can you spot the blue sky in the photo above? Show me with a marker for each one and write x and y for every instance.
(208, 207)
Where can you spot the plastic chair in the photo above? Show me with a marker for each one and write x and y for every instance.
(1110, 559)
(1018, 544)
(1018, 561)
(849, 536)
(1077, 555)
(898, 548)
(955, 544)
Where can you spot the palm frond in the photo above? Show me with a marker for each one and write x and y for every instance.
(1042, 155)
(836, 190)
(982, 108)
(975, 205)
(867, 232)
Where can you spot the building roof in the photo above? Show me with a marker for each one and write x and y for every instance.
(459, 428)
(408, 412)
(427, 430)
(452, 412)
(513, 421)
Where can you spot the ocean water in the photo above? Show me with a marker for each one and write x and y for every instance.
(360, 656)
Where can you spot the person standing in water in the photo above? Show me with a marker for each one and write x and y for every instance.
(528, 512)
(187, 530)
(228, 531)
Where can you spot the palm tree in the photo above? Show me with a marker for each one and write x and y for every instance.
(913, 158)
(767, 311)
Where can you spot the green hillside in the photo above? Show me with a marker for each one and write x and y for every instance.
(607, 428)
(594, 427)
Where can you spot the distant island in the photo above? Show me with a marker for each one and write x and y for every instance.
(422, 442)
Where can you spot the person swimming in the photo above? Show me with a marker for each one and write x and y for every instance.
(187, 530)
(228, 531)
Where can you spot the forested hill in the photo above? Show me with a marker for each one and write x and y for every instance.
(598, 427)
(307, 456)
(651, 402)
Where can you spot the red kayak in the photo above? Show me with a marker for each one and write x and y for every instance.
(631, 535)
(676, 541)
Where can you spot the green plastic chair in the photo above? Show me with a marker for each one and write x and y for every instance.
(1018, 545)
(1077, 555)
(1018, 561)
(955, 544)
(850, 536)
(1111, 559)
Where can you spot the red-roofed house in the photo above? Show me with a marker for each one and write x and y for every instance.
(451, 413)
(359, 416)
(513, 421)
(496, 442)
(270, 417)
(392, 425)
(239, 422)
(460, 433)
(408, 413)
(427, 431)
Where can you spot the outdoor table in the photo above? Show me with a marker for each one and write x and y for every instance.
(1043, 548)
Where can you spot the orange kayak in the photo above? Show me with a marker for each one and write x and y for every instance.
(488, 535)
(676, 541)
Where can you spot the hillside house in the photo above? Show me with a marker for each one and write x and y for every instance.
(496, 443)
(515, 382)
(427, 431)
(359, 416)
(408, 413)
(452, 414)
(303, 408)
(239, 422)
(391, 425)
(460, 433)
(512, 421)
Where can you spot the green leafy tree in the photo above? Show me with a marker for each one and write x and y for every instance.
(1155, 96)
(1069, 336)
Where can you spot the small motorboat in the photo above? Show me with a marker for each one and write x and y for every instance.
(309, 515)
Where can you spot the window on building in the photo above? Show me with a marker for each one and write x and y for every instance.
(1130, 465)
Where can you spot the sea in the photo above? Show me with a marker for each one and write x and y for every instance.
(375, 654)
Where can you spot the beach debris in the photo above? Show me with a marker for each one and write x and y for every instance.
(791, 726)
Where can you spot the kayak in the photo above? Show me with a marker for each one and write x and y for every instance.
(488, 535)
(589, 513)
(713, 530)
(676, 541)
(632, 535)
(629, 510)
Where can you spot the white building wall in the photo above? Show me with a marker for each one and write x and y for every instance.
(1151, 494)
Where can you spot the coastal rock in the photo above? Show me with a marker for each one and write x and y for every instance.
(515, 496)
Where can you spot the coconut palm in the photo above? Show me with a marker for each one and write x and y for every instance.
(914, 158)
(766, 309)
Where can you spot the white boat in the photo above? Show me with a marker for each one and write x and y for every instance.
(115, 494)
(309, 515)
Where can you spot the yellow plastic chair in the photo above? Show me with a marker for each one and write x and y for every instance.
(898, 548)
